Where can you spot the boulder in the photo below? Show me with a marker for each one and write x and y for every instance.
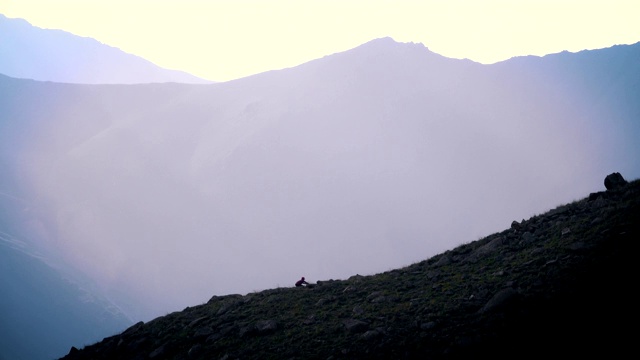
(266, 326)
(355, 326)
(614, 181)
(500, 300)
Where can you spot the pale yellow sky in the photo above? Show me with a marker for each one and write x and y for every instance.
(227, 39)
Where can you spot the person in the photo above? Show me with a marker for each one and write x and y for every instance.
(301, 282)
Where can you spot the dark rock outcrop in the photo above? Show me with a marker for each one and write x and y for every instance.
(614, 181)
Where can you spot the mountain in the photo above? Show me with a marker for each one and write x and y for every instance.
(43, 311)
(358, 162)
(30, 52)
(46, 305)
(557, 283)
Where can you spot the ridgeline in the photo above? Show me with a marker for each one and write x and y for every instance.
(558, 284)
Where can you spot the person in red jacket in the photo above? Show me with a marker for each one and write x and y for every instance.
(301, 282)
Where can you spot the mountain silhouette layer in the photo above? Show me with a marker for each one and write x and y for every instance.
(557, 283)
(30, 52)
(43, 308)
(357, 162)
(46, 302)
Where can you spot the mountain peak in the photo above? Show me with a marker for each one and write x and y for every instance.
(389, 44)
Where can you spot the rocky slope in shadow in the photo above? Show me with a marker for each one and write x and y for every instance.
(558, 283)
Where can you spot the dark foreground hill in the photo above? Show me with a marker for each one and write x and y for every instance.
(557, 284)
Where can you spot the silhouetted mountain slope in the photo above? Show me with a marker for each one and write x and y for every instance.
(46, 303)
(557, 283)
(611, 79)
(30, 52)
(42, 309)
(357, 162)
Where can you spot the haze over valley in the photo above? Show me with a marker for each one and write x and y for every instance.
(166, 194)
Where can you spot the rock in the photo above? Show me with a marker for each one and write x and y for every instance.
(228, 306)
(196, 321)
(501, 299)
(614, 181)
(133, 328)
(374, 295)
(528, 238)
(443, 261)
(266, 326)
(595, 195)
(195, 351)
(355, 326)
(427, 325)
(325, 300)
(159, 352)
(311, 319)
(371, 335)
(203, 332)
(515, 225)
(247, 331)
(491, 246)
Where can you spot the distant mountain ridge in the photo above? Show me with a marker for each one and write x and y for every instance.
(30, 52)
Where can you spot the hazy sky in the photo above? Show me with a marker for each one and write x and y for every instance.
(227, 39)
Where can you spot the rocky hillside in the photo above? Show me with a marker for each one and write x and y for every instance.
(556, 284)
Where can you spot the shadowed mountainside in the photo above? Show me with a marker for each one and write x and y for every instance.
(43, 309)
(557, 283)
(30, 52)
(46, 303)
